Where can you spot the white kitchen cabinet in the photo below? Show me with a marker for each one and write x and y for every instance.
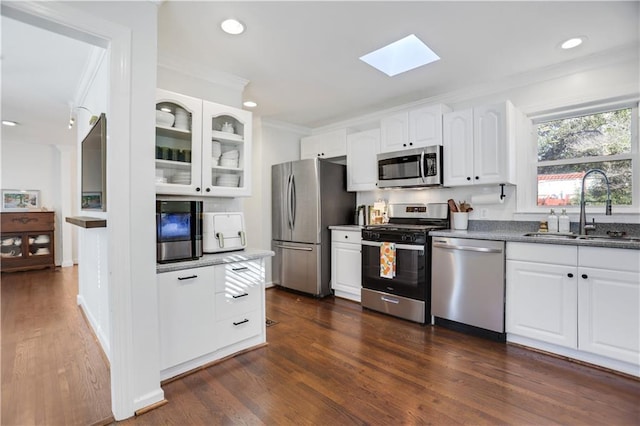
(362, 162)
(346, 264)
(240, 311)
(580, 302)
(542, 293)
(185, 162)
(209, 313)
(326, 145)
(186, 314)
(412, 129)
(609, 302)
(479, 145)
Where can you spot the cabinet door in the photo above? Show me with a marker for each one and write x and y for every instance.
(178, 145)
(226, 151)
(346, 269)
(186, 315)
(490, 149)
(362, 162)
(425, 126)
(541, 302)
(458, 148)
(609, 313)
(309, 147)
(394, 132)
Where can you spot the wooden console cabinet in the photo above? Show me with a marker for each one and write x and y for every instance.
(27, 241)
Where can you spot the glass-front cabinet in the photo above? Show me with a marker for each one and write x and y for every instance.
(202, 148)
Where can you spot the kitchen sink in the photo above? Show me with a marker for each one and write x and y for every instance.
(551, 236)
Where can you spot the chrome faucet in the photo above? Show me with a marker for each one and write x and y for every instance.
(583, 214)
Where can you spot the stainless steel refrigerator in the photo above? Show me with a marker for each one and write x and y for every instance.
(308, 196)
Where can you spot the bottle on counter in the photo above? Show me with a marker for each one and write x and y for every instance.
(552, 221)
(564, 225)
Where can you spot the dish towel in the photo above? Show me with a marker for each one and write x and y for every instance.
(388, 260)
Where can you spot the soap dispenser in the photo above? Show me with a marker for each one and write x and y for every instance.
(563, 222)
(552, 221)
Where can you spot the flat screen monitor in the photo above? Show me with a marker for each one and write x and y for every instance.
(94, 167)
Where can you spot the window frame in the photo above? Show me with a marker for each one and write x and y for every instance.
(527, 194)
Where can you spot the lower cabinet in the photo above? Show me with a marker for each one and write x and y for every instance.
(208, 313)
(581, 302)
(346, 264)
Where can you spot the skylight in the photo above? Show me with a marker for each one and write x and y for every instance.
(400, 56)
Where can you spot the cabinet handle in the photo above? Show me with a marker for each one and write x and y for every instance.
(570, 275)
(238, 296)
(346, 237)
(477, 177)
(208, 189)
(198, 189)
(241, 322)
(410, 143)
(404, 144)
(585, 276)
(241, 269)
(190, 277)
(468, 178)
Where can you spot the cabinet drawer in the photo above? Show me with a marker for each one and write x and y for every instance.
(239, 276)
(543, 253)
(234, 302)
(239, 327)
(609, 258)
(346, 236)
(31, 221)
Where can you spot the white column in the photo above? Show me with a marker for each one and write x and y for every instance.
(67, 190)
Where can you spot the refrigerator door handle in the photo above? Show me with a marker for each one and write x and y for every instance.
(289, 214)
(294, 201)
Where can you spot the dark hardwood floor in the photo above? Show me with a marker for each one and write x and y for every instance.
(327, 362)
(53, 370)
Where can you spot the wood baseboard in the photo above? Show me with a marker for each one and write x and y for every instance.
(151, 407)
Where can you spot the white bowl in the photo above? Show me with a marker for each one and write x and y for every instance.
(164, 118)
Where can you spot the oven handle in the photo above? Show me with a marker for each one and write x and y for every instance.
(398, 246)
(467, 248)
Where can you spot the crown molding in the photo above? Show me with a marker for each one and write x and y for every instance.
(91, 67)
(281, 125)
(193, 69)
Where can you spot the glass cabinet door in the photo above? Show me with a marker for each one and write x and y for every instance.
(11, 247)
(178, 144)
(226, 150)
(39, 244)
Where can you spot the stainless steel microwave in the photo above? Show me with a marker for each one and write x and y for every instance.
(412, 168)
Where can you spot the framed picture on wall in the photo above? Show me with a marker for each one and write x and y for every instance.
(91, 200)
(20, 199)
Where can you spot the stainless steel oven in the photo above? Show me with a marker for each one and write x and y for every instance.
(407, 294)
(410, 168)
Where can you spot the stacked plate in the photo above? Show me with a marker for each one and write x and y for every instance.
(216, 150)
(182, 178)
(182, 119)
(227, 179)
(230, 158)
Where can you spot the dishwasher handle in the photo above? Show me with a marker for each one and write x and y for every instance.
(443, 245)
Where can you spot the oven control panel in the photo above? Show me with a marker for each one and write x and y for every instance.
(391, 236)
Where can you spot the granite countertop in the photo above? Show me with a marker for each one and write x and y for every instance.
(346, 227)
(215, 259)
(518, 236)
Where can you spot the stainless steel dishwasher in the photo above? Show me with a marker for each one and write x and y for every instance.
(468, 285)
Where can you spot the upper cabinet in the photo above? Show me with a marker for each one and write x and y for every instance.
(479, 145)
(202, 148)
(412, 129)
(326, 145)
(362, 166)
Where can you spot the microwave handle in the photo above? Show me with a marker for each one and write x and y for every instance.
(422, 165)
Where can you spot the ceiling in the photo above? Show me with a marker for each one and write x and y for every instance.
(301, 58)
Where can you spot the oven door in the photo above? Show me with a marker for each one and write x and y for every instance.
(411, 270)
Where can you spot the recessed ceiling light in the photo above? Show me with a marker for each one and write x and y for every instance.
(400, 56)
(9, 123)
(250, 104)
(572, 42)
(232, 26)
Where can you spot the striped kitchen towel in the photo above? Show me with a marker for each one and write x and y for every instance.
(387, 260)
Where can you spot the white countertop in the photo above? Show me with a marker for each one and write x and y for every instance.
(346, 227)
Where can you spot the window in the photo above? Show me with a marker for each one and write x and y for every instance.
(568, 147)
